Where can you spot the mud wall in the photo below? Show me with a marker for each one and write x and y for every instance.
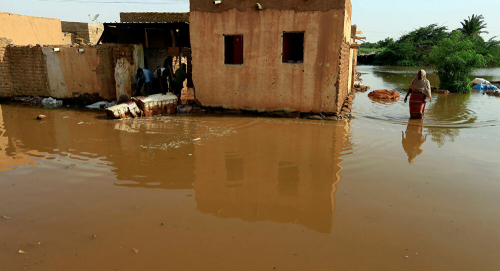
(66, 73)
(154, 17)
(25, 30)
(89, 32)
(293, 5)
(263, 82)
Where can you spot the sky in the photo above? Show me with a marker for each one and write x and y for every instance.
(377, 19)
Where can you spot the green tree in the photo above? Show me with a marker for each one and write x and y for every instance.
(454, 59)
(473, 26)
(412, 48)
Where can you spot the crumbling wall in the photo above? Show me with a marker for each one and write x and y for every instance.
(25, 30)
(343, 76)
(64, 72)
(154, 17)
(89, 32)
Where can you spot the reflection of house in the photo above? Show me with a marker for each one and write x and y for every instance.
(10, 154)
(118, 145)
(258, 176)
(292, 55)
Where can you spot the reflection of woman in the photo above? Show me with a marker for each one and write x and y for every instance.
(412, 143)
(420, 90)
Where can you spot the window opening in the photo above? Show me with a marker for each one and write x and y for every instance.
(293, 47)
(233, 49)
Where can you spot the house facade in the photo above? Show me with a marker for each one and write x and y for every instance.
(272, 55)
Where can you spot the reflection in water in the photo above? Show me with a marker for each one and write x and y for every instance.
(413, 139)
(254, 169)
(259, 176)
(448, 111)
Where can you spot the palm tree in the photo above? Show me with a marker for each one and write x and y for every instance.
(473, 26)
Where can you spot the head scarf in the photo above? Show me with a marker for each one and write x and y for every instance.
(423, 85)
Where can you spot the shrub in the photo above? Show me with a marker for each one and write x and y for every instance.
(454, 59)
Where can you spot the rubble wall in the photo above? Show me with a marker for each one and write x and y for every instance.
(26, 30)
(89, 32)
(343, 76)
(66, 73)
(263, 82)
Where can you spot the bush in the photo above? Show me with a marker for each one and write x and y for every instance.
(454, 59)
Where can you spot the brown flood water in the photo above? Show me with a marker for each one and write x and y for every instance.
(377, 192)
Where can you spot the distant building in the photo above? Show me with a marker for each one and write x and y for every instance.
(29, 30)
(89, 33)
(273, 55)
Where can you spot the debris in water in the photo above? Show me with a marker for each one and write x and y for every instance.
(407, 257)
(21, 252)
(135, 250)
(163, 224)
(384, 94)
(5, 217)
(41, 117)
(197, 139)
(94, 236)
(37, 244)
(51, 102)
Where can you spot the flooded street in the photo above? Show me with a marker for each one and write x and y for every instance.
(377, 192)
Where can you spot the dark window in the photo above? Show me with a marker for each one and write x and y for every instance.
(233, 49)
(293, 47)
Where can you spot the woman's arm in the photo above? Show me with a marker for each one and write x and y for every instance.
(408, 94)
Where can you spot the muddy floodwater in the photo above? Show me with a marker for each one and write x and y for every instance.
(377, 192)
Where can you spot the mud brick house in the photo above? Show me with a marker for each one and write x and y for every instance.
(267, 55)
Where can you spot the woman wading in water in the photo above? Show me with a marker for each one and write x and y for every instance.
(420, 90)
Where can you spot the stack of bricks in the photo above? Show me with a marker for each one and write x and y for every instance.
(343, 81)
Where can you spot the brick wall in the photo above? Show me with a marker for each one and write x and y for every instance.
(28, 70)
(6, 88)
(343, 78)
